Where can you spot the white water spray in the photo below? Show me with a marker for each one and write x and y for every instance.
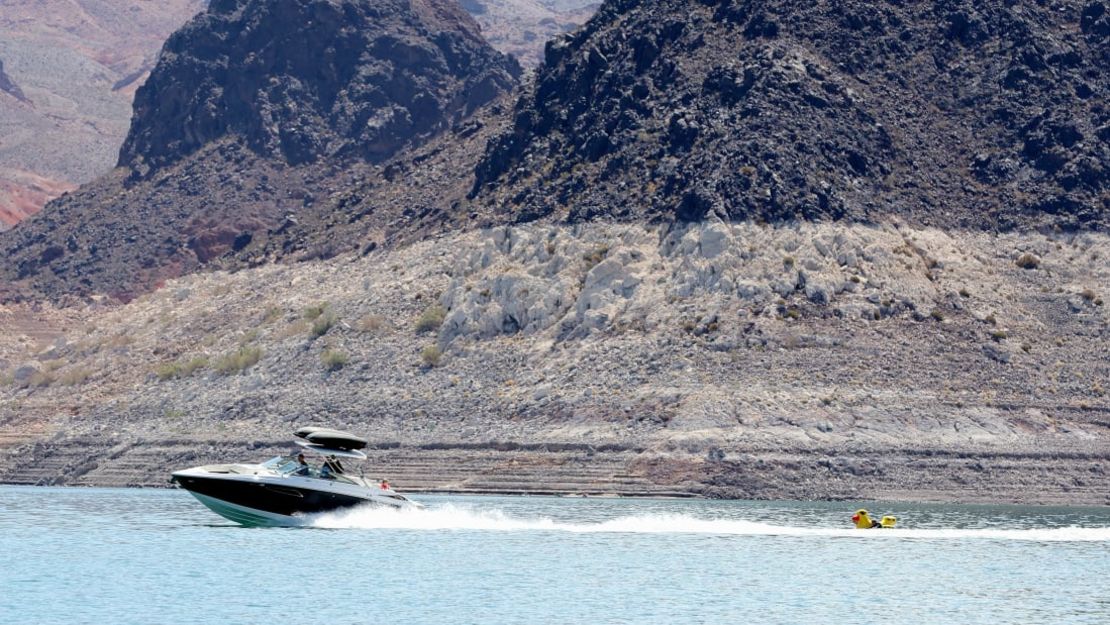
(455, 518)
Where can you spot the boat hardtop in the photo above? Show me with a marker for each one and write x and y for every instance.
(332, 439)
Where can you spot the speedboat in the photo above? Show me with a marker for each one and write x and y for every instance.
(285, 490)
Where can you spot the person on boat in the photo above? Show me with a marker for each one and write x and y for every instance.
(332, 464)
(384, 485)
(303, 468)
(325, 470)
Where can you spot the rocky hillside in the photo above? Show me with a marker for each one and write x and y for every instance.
(807, 361)
(243, 130)
(958, 113)
(72, 67)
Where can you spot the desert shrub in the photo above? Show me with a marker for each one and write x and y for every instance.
(596, 256)
(166, 371)
(40, 379)
(312, 312)
(334, 360)
(964, 292)
(181, 369)
(193, 365)
(431, 319)
(297, 328)
(272, 314)
(371, 324)
(74, 377)
(53, 365)
(431, 356)
(937, 315)
(999, 335)
(239, 360)
(323, 324)
(1028, 261)
(119, 341)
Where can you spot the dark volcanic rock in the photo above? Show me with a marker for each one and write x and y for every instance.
(7, 85)
(305, 79)
(953, 113)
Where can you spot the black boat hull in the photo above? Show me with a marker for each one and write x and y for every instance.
(272, 499)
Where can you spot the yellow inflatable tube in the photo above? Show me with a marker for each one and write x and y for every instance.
(863, 520)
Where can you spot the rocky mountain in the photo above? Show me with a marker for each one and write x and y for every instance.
(659, 111)
(77, 64)
(957, 113)
(101, 51)
(257, 112)
(305, 80)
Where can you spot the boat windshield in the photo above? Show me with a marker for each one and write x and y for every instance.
(282, 464)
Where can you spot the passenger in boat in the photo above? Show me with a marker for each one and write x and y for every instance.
(332, 464)
(337, 466)
(303, 469)
(325, 470)
(384, 485)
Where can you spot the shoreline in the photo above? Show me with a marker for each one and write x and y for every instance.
(989, 475)
(611, 496)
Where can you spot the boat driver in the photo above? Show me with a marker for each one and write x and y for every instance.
(303, 469)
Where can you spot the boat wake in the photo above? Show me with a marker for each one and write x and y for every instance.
(451, 517)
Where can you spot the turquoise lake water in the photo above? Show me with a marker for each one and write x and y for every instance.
(105, 556)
